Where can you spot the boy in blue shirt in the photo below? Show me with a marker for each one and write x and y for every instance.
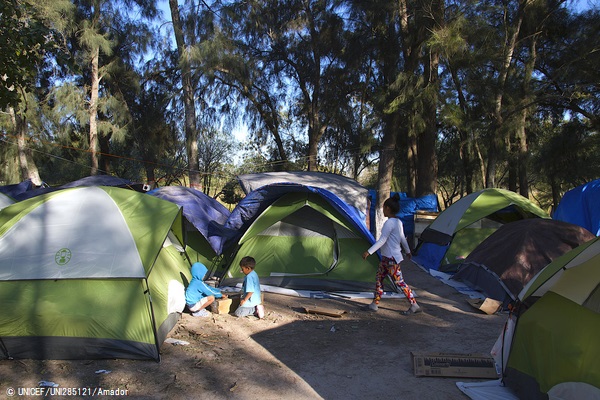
(198, 294)
(250, 299)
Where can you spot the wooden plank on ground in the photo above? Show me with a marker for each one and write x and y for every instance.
(324, 311)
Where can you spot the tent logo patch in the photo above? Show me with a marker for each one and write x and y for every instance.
(63, 256)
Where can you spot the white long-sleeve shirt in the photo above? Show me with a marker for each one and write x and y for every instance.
(392, 237)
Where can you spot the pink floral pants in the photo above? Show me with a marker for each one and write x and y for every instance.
(388, 266)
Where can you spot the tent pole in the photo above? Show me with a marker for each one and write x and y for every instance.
(152, 317)
(5, 350)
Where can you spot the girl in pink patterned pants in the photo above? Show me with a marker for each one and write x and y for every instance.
(388, 266)
(391, 243)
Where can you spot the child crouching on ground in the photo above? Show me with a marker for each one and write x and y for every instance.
(250, 299)
(198, 294)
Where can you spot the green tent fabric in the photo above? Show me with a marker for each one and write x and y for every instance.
(460, 228)
(301, 242)
(555, 341)
(90, 272)
(198, 248)
(486, 203)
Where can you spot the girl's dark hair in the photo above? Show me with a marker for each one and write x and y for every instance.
(393, 203)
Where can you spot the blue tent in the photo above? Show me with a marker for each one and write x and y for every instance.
(579, 206)
(16, 189)
(203, 212)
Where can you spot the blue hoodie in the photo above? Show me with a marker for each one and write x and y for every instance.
(197, 289)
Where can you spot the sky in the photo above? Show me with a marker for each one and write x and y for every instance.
(582, 5)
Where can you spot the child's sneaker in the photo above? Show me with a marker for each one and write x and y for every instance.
(201, 313)
(373, 306)
(414, 309)
(260, 311)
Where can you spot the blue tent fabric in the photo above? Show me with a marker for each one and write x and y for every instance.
(408, 208)
(16, 189)
(94, 180)
(430, 255)
(99, 180)
(579, 206)
(34, 192)
(202, 211)
(251, 206)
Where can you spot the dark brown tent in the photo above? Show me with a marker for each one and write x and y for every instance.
(503, 263)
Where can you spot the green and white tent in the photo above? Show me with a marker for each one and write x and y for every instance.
(555, 345)
(90, 272)
(460, 228)
(301, 241)
(549, 347)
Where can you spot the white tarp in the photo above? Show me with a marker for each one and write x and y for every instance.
(488, 390)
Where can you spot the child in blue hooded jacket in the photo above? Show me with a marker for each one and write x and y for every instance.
(198, 294)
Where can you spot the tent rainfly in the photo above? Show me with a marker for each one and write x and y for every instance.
(203, 218)
(579, 206)
(505, 262)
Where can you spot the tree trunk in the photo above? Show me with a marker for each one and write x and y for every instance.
(315, 127)
(313, 147)
(492, 160)
(93, 112)
(522, 148)
(513, 171)
(556, 194)
(269, 114)
(467, 145)
(428, 165)
(498, 120)
(191, 133)
(282, 164)
(411, 159)
(522, 157)
(150, 175)
(427, 160)
(27, 166)
(386, 167)
(466, 156)
(104, 156)
(480, 160)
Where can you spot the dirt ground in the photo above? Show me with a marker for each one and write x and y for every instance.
(290, 354)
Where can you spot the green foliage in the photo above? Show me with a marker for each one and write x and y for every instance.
(232, 193)
(568, 154)
(24, 41)
(298, 71)
(216, 150)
